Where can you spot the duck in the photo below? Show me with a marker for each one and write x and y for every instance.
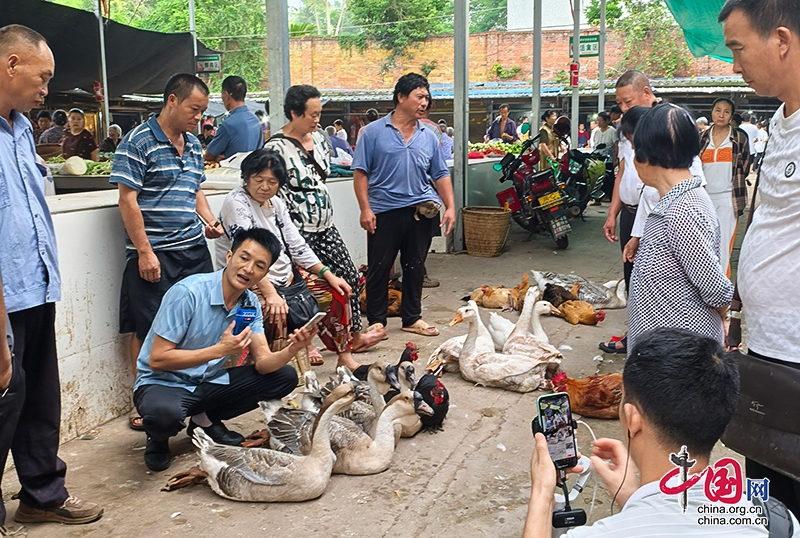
(265, 475)
(357, 453)
(380, 379)
(445, 356)
(436, 396)
(521, 341)
(519, 373)
(610, 295)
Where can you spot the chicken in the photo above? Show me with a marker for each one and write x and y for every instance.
(596, 396)
(395, 301)
(556, 295)
(581, 312)
(500, 296)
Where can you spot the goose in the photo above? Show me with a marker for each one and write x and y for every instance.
(520, 341)
(357, 453)
(409, 425)
(264, 475)
(520, 373)
(381, 378)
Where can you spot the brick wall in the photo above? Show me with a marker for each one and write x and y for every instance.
(322, 62)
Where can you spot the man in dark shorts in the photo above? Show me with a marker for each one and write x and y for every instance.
(158, 168)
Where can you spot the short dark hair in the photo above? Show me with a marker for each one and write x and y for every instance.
(685, 384)
(60, 118)
(634, 78)
(737, 118)
(407, 84)
(627, 126)
(262, 236)
(372, 115)
(259, 113)
(338, 122)
(264, 159)
(235, 86)
(724, 100)
(43, 114)
(547, 113)
(296, 99)
(501, 107)
(667, 137)
(182, 85)
(605, 115)
(616, 109)
(765, 15)
(76, 111)
(14, 34)
(208, 127)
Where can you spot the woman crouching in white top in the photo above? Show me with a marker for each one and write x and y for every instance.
(254, 204)
(677, 281)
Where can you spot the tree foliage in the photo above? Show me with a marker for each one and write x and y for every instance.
(652, 40)
(237, 28)
(395, 25)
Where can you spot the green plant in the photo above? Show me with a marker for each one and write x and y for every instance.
(300, 29)
(561, 77)
(501, 72)
(350, 41)
(613, 12)
(428, 67)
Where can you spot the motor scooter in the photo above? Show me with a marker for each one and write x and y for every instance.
(535, 200)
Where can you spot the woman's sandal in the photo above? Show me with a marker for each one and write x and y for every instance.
(135, 421)
(369, 339)
(315, 357)
(421, 328)
(611, 347)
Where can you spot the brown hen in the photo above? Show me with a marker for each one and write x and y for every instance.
(581, 312)
(500, 296)
(596, 396)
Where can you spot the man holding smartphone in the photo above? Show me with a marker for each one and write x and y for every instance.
(180, 367)
(661, 412)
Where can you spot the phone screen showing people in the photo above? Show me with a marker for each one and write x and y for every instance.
(555, 418)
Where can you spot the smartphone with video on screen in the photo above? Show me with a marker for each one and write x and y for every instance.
(555, 421)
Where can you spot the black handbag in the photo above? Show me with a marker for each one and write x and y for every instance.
(766, 425)
(301, 302)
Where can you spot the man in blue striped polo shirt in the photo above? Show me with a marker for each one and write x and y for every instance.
(158, 168)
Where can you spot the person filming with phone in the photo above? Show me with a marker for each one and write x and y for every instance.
(203, 320)
(680, 390)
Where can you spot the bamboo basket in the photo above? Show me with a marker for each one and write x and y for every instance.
(485, 230)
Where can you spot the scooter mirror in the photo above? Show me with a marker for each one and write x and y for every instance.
(497, 166)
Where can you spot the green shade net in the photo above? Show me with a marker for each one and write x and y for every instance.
(698, 19)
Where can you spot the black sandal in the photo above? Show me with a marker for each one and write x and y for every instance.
(611, 347)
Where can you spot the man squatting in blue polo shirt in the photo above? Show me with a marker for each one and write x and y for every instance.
(180, 367)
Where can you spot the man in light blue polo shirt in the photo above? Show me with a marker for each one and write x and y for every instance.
(241, 131)
(394, 158)
(158, 169)
(180, 367)
(29, 386)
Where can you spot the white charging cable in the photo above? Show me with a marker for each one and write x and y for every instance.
(594, 492)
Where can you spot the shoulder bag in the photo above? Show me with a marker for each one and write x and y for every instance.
(304, 152)
(301, 302)
(766, 425)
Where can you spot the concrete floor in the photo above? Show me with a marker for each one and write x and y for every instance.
(470, 480)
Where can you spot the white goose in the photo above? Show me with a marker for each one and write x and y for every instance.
(520, 341)
(520, 373)
(264, 475)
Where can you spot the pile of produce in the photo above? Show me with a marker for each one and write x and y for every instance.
(76, 166)
(496, 148)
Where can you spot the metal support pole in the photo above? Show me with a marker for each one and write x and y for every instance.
(460, 115)
(278, 73)
(576, 51)
(601, 66)
(106, 119)
(193, 31)
(536, 86)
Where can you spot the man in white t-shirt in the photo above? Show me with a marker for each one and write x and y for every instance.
(761, 145)
(661, 414)
(752, 133)
(764, 37)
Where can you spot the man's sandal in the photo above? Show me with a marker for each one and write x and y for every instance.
(421, 328)
(135, 421)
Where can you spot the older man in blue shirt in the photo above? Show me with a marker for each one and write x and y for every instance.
(395, 157)
(180, 368)
(241, 131)
(29, 263)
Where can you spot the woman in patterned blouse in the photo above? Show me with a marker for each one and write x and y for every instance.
(304, 150)
(677, 278)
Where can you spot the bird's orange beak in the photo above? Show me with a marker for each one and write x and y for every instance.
(456, 320)
(554, 311)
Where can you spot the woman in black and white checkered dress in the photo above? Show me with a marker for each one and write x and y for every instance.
(677, 279)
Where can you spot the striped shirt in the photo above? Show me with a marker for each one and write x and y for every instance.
(167, 183)
(677, 280)
(305, 193)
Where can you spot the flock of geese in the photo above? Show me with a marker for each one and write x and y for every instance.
(352, 426)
